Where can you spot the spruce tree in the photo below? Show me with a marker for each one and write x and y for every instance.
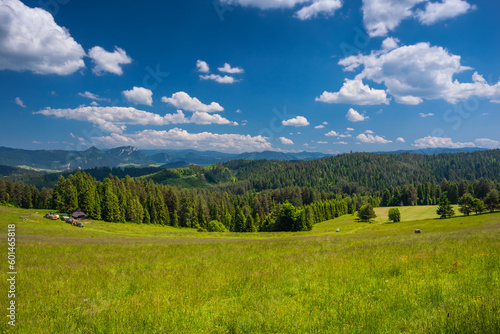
(445, 210)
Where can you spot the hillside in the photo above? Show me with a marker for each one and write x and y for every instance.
(131, 156)
(361, 279)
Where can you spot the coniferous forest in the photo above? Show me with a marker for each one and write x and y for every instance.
(260, 195)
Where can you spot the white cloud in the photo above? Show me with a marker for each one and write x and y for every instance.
(297, 121)
(31, 40)
(238, 111)
(94, 103)
(345, 135)
(231, 70)
(226, 79)
(382, 16)
(325, 7)
(447, 9)
(19, 102)
(286, 141)
(340, 143)
(183, 101)
(111, 62)
(322, 142)
(435, 142)
(115, 119)
(139, 95)
(36, 142)
(350, 129)
(93, 96)
(371, 139)
(206, 118)
(179, 138)
(354, 116)
(425, 115)
(487, 143)
(321, 126)
(390, 43)
(332, 134)
(369, 131)
(420, 71)
(400, 140)
(202, 66)
(355, 92)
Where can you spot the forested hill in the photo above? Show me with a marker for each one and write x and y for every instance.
(358, 172)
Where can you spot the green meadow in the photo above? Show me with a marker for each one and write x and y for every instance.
(377, 277)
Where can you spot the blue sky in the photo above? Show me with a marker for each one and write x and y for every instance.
(250, 75)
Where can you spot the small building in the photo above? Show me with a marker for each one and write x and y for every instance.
(79, 214)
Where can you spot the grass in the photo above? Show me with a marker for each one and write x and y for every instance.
(368, 278)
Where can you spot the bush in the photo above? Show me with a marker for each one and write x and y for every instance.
(215, 226)
(394, 215)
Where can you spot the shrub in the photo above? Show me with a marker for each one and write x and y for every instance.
(215, 226)
(394, 215)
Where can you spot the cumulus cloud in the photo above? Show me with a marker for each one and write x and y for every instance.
(309, 8)
(94, 103)
(30, 40)
(226, 79)
(400, 140)
(139, 95)
(179, 138)
(183, 101)
(416, 72)
(206, 118)
(325, 7)
(332, 134)
(371, 139)
(93, 96)
(322, 142)
(115, 119)
(321, 126)
(382, 16)
(202, 66)
(230, 70)
(350, 129)
(19, 102)
(340, 143)
(487, 143)
(354, 116)
(439, 142)
(447, 9)
(423, 115)
(286, 141)
(111, 62)
(297, 121)
(355, 92)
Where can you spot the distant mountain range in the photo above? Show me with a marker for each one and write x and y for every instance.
(132, 156)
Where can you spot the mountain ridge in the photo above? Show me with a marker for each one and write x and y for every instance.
(131, 156)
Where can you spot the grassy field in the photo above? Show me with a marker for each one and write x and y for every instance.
(377, 277)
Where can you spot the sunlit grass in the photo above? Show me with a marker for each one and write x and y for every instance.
(367, 278)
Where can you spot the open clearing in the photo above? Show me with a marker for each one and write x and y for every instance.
(369, 277)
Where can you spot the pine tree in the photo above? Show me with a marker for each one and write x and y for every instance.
(491, 200)
(445, 210)
(366, 212)
(465, 204)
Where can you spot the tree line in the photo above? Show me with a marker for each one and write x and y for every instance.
(144, 201)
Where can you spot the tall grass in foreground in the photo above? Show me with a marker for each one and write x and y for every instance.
(444, 281)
